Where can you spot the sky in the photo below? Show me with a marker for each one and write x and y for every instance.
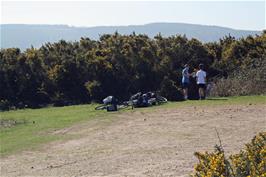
(248, 15)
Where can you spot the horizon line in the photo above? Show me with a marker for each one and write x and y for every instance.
(130, 25)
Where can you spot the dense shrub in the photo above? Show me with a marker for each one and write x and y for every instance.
(170, 90)
(121, 65)
(250, 80)
(59, 99)
(94, 88)
(4, 105)
(193, 93)
(250, 162)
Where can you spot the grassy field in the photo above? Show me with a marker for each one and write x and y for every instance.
(259, 99)
(32, 125)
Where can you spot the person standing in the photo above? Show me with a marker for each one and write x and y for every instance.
(201, 81)
(185, 81)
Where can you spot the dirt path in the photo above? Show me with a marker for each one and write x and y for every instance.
(142, 143)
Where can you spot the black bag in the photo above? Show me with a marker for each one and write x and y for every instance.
(112, 107)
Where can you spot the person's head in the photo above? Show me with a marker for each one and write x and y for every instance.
(186, 66)
(201, 66)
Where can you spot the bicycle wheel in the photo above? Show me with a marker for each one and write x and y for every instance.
(101, 107)
(161, 99)
(122, 106)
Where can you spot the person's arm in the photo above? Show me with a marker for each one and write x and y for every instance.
(186, 73)
(193, 74)
(183, 73)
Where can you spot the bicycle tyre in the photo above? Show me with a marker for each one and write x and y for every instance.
(122, 106)
(161, 99)
(101, 107)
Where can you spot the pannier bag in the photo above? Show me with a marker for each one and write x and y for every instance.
(111, 103)
(110, 100)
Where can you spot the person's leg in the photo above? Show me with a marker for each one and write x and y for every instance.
(203, 93)
(200, 92)
(184, 92)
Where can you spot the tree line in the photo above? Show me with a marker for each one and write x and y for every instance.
(64, 73)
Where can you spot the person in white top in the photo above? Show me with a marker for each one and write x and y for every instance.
(201, 81)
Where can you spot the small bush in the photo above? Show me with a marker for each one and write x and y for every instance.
(250, 162)
(246, 81)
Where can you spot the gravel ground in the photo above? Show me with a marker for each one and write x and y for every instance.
(160, 142)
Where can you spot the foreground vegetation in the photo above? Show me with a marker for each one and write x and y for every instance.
(250, 162)
(67, 73)
(28, 128)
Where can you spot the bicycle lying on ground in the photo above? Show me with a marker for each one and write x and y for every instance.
(146, 99)
(110, 103)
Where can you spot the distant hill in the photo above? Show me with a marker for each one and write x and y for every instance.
(23, 36)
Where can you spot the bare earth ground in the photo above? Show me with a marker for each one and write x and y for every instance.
(160, 142)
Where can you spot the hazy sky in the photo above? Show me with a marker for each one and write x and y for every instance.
(238, 15)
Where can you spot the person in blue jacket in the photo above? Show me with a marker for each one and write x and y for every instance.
(185, 80)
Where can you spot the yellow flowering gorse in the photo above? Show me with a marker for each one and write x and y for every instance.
(250, 162)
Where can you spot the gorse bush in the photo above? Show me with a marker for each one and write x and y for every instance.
(79, 72)
(250, 162)
(170, 90)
